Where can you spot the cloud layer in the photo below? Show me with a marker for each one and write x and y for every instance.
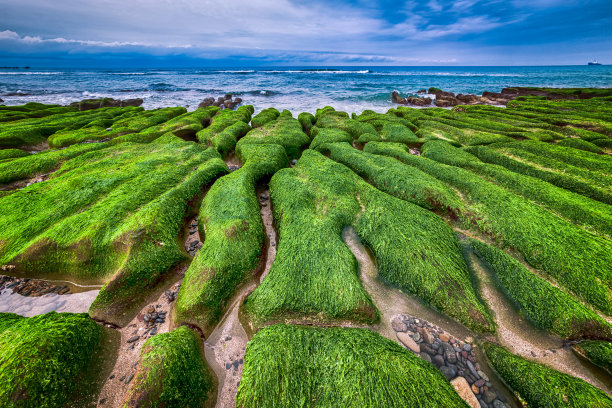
(464, 32)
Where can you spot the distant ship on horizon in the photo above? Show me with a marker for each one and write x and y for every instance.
(594, 62)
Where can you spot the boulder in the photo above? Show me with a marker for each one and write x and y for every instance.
(420, 91)
(440, 93)
(206, 102)
(408, 342)
(396, 98)
(445, 102)
(468, 99)
(418, 101)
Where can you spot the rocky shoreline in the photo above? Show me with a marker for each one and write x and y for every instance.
(454, 358)
(444, 99)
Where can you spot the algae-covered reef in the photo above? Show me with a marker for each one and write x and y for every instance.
(43, 358)
(453, 208)
(306, 366)
(171, 372)
(541, 386)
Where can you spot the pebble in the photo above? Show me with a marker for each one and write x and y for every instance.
(133, 339)
(425, 357)
(428, 338)
(498, 404)
(448, 372)
(470, 366)
(483, 375)
(489, 396)
(438, 360)
(464, 391)
(444, 337)
(398, 325)
(129, 379)
(449, 352)
(416, 336)
(479, 383)
(111, 377)
(467, 347)
(475, 389)
(408, 342)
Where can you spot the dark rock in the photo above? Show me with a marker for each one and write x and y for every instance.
(228, 366)
(206, 102)
(129, 379)
(489, 396)
(237, 101)
(103, 400)
(153, 331)
(449, 352)
(438, 360)
(425, 357)
(426, 349)
(111, 377)
(468, 99)
(479, 383)
(472, 369)
(133, 339)
(467, 347)
(236, 364)
(420, 91)
(482, 403)
(445, 102)
(396, 98)
(448, 372)
(158, 320)
(418, 101)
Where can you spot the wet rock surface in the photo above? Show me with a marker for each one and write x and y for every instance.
(30, 287)
(89, 104)
(454, 358)
(224, 102)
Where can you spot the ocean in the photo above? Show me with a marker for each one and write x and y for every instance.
(351, 89)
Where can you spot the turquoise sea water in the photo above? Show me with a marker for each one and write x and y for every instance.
(350, 89)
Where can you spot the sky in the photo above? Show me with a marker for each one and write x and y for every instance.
(237, 33)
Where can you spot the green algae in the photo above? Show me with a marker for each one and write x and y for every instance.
(285, 131)
(314, 273)
(263, 117)
(598, 352)
(234, 237)
(573, 256)
(541, 386)
(298, 366)
(171, 372)
(114, 212)
(546, 306)
(42, 358)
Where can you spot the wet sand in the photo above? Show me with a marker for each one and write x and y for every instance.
(31, 306)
